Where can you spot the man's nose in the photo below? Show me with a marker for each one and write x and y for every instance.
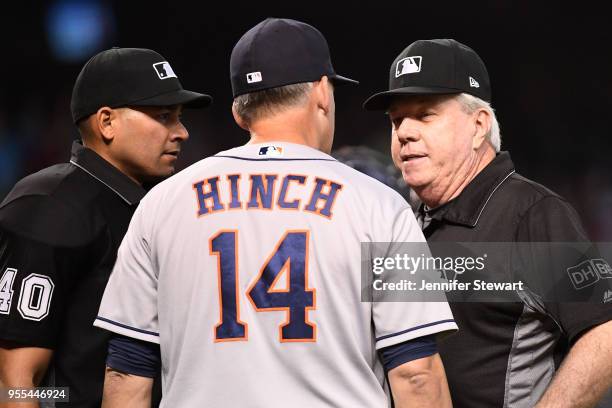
(408, 130)
(179, 133)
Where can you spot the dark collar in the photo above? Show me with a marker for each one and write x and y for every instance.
(467, 207)
(94, 165)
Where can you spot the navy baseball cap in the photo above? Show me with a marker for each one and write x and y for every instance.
(440, 66)
(129, 76)
(279, 52)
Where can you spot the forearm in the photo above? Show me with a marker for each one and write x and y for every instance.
(18, 404)
(586, 372)
(126, 390)
(18, 379)
(5, 385)
(420, 383)
(22, 367)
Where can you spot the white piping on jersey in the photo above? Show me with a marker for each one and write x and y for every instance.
(491, 195)
(97, 178)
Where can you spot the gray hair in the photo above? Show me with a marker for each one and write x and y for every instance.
(470, 104)
(256, 105)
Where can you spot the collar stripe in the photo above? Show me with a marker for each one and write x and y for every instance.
(100, 180)
(491, 195)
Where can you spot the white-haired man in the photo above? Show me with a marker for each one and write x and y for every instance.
(446, 141)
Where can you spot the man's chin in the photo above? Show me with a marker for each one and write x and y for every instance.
(152, 179)
(415, 182)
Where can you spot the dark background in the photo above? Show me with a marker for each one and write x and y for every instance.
(550, 70)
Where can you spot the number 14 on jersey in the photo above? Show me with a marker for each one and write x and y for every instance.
(289, 257)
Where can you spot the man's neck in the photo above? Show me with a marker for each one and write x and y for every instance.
(101, 151)
(292, 127)
(435, 196)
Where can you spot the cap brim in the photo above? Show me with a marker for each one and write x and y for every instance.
(183, 97)
(341, 80)
(382, 100)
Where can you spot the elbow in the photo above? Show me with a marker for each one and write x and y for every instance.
(22, 366)
(114, 375)
(20, 378)
(420, 380)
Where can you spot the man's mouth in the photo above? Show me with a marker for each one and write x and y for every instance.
(412, 156)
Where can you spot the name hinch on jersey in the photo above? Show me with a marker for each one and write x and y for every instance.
(322, 193)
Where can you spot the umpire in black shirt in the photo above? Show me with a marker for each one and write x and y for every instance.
(60, 228)
(446, 141)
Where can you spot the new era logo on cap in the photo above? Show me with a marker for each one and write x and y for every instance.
(408, 65)
(164, 70)
(253, 77)
(474, 83)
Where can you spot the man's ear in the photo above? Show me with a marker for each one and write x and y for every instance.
(105, 121)
(482, 123)
(241, 122)
(323, 91)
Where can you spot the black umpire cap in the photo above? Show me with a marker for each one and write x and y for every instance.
(279, 52)
(441, 66)
(129, 76)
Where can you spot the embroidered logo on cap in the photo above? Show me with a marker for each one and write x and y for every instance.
(253, 77)
(164, 70)
(474, 83)
(408, 65)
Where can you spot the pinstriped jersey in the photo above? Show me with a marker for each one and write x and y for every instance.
(245, 268)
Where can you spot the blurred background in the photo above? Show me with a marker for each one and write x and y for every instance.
(549, 67)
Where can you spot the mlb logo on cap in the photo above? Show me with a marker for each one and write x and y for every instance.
(288, 51)
(451, 68)
(164, 70)
(408, 65)
(253, 77)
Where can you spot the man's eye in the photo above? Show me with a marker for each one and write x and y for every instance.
(163, 117)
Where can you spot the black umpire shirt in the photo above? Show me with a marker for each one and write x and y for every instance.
(506, 353)
(60, 230)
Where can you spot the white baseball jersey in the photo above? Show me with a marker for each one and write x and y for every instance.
(245, 268)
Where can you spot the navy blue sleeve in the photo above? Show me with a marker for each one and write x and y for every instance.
(414, 349)
(133, 356)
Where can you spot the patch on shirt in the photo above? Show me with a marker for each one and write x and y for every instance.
(271, 151)
(589, 272)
